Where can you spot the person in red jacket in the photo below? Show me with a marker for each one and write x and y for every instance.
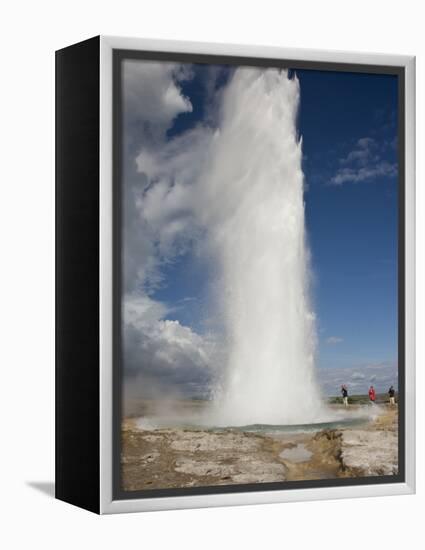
(372, 394)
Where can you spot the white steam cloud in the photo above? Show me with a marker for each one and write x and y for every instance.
(254, 211)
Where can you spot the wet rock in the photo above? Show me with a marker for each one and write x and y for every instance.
(248, 470)
(152, 438)
(208, 441)
(370, 453)
(151, 457)
(193, 467)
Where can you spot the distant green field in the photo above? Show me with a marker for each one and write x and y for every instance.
(362, 399)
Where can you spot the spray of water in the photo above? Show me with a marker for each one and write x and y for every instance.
(256, 229)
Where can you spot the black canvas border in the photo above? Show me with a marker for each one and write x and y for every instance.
(118, 56)
(77, 377)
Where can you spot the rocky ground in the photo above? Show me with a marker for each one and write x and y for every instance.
(178, 457)
(373, 450)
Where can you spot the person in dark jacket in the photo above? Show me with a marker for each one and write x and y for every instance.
(391, 393)
(344, 393)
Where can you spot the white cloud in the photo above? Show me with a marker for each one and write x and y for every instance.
(359, 377)
(363, 163)
(141, 312)
(151, 93)
(165, 350)
(168, 204)
(365, 173)
(159, 352)
(366, 142)
(332, 340)
(152, 99)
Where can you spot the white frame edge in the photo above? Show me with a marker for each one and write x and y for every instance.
(107, 504)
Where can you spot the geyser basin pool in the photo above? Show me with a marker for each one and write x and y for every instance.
(314, 427)
(360, 417)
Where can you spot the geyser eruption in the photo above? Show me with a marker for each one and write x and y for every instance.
(254, 212)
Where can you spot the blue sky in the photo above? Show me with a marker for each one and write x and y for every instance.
(348, 124)
(352, 225)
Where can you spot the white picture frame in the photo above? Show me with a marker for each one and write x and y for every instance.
(108, 503)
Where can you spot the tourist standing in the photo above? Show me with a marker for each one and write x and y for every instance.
(372, 394)
(391, 393)
(344, 393)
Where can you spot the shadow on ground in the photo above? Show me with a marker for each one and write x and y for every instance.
(46, 487)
